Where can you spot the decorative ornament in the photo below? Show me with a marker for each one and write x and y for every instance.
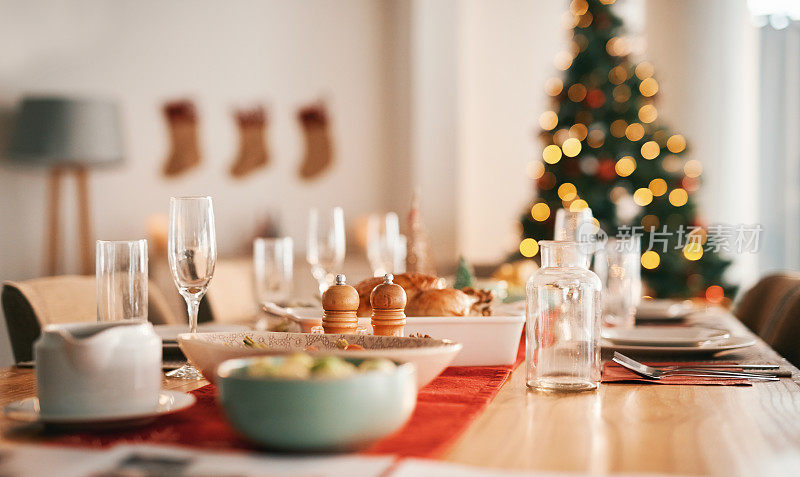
(253, 153)
(318, 148)
(465, 276)
(184, 151)
(418, 255)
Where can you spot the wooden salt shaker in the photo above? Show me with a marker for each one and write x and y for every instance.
(340, 304)
(388, 301)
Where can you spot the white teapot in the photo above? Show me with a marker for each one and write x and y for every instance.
(98, 369)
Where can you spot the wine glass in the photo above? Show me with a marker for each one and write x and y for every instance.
(326, 245)
(383, 243)
(192, 252)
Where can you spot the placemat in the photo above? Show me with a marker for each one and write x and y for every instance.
(445, 408)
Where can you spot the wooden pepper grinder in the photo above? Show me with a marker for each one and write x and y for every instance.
(388, 301)
(340, 304)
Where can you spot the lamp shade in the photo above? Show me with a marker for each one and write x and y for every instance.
(51, 131)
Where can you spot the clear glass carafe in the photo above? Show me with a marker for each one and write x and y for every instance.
(563, 321)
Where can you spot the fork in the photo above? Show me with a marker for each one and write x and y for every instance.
(655, 373)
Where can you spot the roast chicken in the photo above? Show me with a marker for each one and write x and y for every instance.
(427, 296)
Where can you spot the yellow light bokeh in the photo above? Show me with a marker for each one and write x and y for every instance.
(617, 128)
(548, 120)
(676, 143)
(553, 86)
(634, 132)
(648, 87)
(658, 187)
(560, 136)
(648, 113)
(540, 212)
(693, 251)
(617, 75)
(642, 196)
(622, 93)
(596, 138)
(563, 60)
(678, 197)
(576, 93)
(650, 222)
(644, 70)
(585, 20)
(528, 247)
(578, 205)
(625, 166)
(578, 7)
(567, 191)
(571, 147)
(535, 169)
(650, 150)
(551, 154)
(693, 168)
(579, 131)
(650, 260)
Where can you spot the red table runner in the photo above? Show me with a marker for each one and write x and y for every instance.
(445, 408)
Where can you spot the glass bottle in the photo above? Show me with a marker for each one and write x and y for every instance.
(563, 321)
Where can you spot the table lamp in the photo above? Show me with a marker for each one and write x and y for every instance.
(66, 135)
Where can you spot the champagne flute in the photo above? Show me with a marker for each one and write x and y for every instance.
(192, 252)
(326, 245)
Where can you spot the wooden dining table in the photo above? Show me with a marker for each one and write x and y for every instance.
(621, 427)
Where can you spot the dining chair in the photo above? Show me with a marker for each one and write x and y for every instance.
(31, 304)
(782, 330)
(761, 303)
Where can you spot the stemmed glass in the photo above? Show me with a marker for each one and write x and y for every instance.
(326, 245)
(383, 243)
(192, 252)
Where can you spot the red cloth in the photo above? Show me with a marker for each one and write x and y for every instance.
(445, 408)
(615, 373)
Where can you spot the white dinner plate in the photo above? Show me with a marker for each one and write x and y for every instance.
(664, 310)
(169, 333)
(663, 335)
(27, 410)
(711, 347)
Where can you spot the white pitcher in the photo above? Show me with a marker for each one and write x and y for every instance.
(98, 369)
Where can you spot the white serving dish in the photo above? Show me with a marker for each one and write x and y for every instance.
(663, 335)
(488, 340)
(169, 333)
(208, 350)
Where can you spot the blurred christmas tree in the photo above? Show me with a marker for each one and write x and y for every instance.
(604, 149)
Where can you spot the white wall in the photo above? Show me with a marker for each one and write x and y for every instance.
(221, 54)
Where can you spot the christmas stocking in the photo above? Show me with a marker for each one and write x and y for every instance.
(252, 143)
(184, 148)
(318, 148)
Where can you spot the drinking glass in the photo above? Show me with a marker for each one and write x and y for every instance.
(384, 243)
(579, 226)
(273, 266)
(192, 252)
(121, 274)
(563, 321)
(326, 245)
(622, 281)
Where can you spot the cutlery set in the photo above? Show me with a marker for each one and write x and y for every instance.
(718, 371)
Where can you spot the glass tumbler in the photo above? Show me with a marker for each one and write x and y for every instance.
(273, 268)
(622, 282)
(121, 277)
(563, 321)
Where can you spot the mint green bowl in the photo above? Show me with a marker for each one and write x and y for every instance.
(316, 414)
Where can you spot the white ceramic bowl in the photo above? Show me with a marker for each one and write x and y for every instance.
(208, 350)
(488, 340)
